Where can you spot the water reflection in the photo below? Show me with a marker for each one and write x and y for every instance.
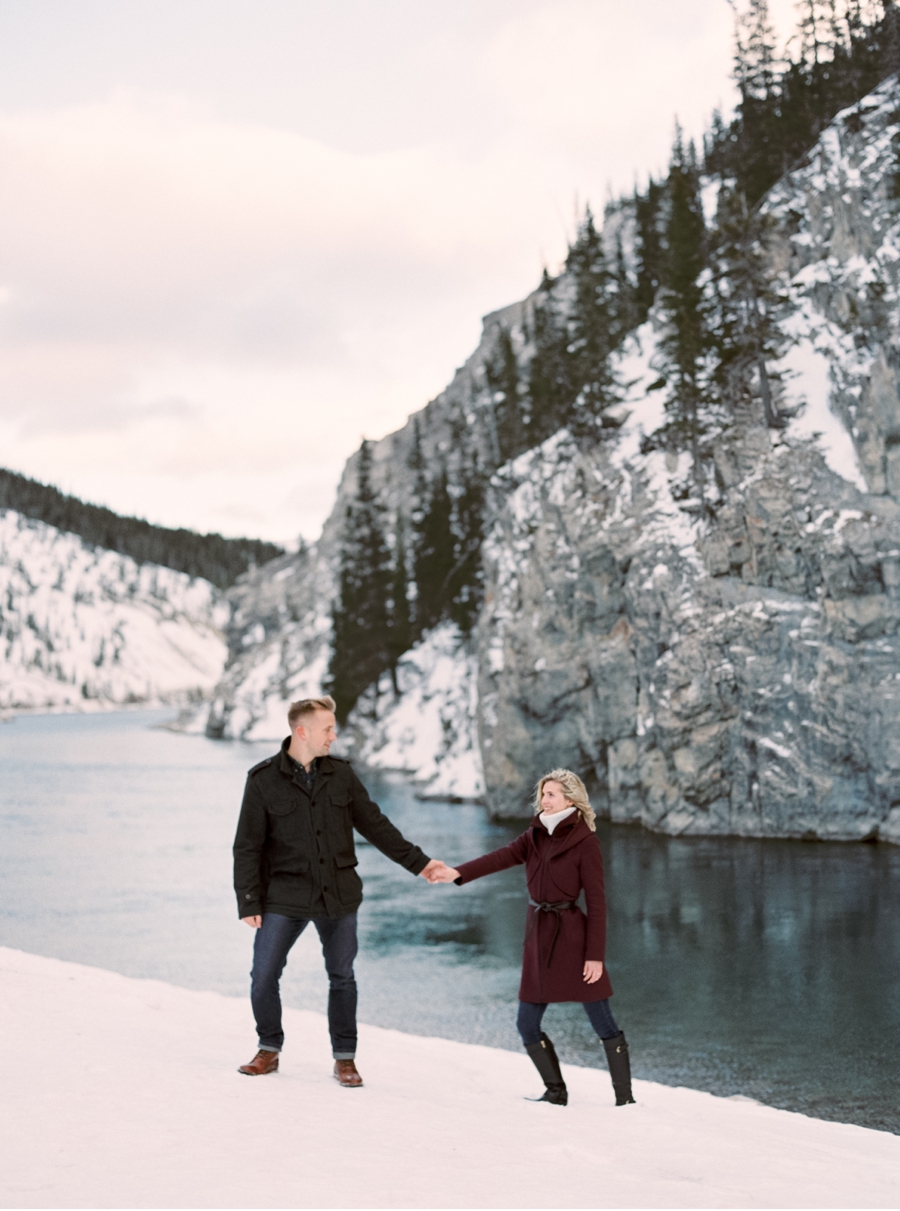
(780, 982)
(769, 969)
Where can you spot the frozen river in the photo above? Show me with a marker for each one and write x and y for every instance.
(763, 968)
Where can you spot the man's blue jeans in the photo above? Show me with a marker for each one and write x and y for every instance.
(273, 942)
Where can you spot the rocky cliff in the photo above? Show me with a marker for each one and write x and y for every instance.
(734, 671)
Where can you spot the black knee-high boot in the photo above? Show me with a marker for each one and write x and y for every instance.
(543, 1056)
(619, 1068)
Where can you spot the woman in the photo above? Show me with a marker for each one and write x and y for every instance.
(564, 947)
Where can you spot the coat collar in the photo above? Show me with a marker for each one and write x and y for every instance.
(570, 832)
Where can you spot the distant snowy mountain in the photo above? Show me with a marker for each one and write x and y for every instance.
(84, 628)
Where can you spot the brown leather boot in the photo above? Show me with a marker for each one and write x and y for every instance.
(262, 1063)
(346, 1075)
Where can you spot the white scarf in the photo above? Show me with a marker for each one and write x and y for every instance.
(550, 822)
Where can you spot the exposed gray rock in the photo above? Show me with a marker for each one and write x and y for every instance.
(747, 682)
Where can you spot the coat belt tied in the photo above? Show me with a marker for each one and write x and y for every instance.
(556, 907)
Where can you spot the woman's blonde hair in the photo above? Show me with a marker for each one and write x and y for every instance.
(574, 791)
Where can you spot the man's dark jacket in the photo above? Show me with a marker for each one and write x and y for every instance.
(294, 852)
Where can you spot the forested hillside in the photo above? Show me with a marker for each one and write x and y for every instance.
(210, 556)
(694, 252)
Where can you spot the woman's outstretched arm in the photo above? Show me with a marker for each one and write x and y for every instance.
(499, 859)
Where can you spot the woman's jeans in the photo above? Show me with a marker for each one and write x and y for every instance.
(273, 941)
(531, 1015)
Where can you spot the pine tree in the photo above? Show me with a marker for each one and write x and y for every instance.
(550, 390)
(465, 584)
(685, 341)
(758, 158)
(597, 323)
(361, 614)
(648, 247)
(816, 21)
(755, 56)
(889, 41)
(751, 310)
(508, 431)
(433, 557)
(400, 628)
(626, 307)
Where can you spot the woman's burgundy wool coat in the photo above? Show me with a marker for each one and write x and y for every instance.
(558, 867)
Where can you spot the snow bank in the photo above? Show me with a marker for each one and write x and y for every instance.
(122, 1092)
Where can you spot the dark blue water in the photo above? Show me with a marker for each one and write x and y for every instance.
(769, 969)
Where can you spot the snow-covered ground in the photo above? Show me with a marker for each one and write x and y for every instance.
(82, 627)
(123, 1093)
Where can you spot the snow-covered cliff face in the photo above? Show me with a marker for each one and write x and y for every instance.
(733, 675)
(838, 217)
(742, 678)
(739, 675)
(83, 628)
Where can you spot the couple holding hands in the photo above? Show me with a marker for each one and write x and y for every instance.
(294, 863)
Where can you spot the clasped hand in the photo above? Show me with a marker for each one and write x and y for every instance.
(439, 872)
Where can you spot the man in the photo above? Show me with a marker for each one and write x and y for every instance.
(294, 862)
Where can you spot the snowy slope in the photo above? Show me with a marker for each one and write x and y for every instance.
(431, 729)
(131, 1099)
(83, 627)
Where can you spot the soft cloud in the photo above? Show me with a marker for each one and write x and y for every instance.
(200, 313)
(154, 252)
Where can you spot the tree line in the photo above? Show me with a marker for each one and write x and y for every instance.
(718, 312)
(398, 578)
(210, 556)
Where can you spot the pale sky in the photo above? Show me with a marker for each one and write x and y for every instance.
(238, 235)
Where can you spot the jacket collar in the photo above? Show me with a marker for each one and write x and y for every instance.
(324, 765)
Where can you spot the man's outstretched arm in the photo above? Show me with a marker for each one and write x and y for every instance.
(371, 822)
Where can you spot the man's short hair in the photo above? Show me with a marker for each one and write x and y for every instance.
(306, 706)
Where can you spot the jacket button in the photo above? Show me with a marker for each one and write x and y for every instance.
(248, 896)
(321, 861)
(324, 889)
(318, 832)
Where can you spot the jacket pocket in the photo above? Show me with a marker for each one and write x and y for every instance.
(348, 882)
(283, 808)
